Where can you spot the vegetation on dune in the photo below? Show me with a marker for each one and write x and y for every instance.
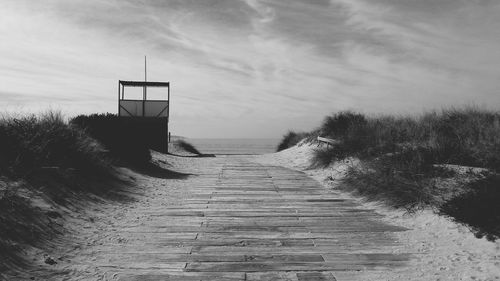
(45, 163)
(49, 167)
(290, 139)
(117, 135)
(32, 142)
(403, 160)
(467, 136)
(186, 146)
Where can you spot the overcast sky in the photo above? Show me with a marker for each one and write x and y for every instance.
(251, 68)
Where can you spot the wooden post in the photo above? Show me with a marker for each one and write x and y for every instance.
(168, 113)
(118, 97)
(143, 105)
(168, 138)
(144, 93)
(168, 104)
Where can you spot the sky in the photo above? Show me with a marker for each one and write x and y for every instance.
(251, 68)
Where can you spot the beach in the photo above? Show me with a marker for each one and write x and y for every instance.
(234, 146)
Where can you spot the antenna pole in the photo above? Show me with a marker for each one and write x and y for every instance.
(144, 90)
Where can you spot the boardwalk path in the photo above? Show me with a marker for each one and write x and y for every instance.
(239, 220)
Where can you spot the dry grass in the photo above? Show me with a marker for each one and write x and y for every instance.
(46, 165)
(399, 155)
(32, 142)
(467, 136)
(290, 139)
(119, 135)
(186, 146)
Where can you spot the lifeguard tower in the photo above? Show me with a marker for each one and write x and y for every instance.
(143, 107)
(147, 119)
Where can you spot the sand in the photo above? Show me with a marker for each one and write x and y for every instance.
(443, 249)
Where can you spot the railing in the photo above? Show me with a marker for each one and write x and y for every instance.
(143, 107)
(328, 141)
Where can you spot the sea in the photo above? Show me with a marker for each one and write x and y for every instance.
(235, 146)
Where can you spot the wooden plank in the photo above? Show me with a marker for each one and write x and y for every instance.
(185, 276)
(264, 266)
(327, 140)
(368, 257)
(315, 276)
(146, 265)
(293, 275)
(243, 221)
(340, 248)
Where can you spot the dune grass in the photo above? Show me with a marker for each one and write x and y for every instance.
(32, 142)
(45, 163)
(186, 146)
(128, 139)
(290, 139)
(467, 136)
(402, 159)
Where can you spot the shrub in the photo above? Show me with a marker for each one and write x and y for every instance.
(403, 180)
(290, 139)
(467, 136)
(31, 142)
(338, 125)
(399, 155)
(347, 127)
(187, 147)
(47, 167)
(128, 138)
(324, 157)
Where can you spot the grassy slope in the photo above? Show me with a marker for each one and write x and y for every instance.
(186, 146)
(405, 161)
(30, 143)
(119, 135)
(290, 139)
(47, 167)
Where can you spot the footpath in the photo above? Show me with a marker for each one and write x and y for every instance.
(233, 219)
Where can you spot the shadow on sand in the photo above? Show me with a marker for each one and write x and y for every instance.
(156, 171)
(35, 211)
(192, 156)
(479, 208)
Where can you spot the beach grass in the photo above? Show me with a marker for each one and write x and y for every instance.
(121, 136)
(188, 147)
(404, 160)
(467, 136)
(45, 163)
(32, 142)
(290, 139)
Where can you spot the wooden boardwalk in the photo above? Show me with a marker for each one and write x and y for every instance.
(245, 221)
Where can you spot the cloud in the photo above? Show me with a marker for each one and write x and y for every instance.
(252, 65)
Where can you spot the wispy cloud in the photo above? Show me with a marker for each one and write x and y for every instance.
(252, 67)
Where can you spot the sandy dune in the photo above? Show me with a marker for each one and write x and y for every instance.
(444, 249)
